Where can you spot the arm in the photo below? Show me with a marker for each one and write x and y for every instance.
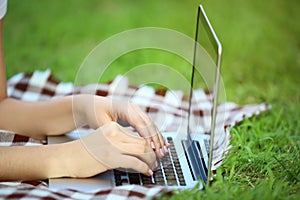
(80, 158)
(77, 158)
(37, 119)
(33, 162)
(32, 119)
(27, 163)
(73, 159)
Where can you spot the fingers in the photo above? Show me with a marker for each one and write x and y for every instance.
(156, 142)
(154, 138)
(114, 132)
(146, 128)
(130, 144)
(110, 143)
(132, 114)
(108, 110)
(136, 164)
(147, 157)
(132, 148)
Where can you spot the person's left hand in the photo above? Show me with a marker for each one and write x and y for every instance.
(100, 110)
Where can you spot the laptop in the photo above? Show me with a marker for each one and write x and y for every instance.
(188, 163)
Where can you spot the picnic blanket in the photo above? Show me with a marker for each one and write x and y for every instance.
(166, 113)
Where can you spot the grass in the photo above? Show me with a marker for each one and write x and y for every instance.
(261, 63)
(263, 162)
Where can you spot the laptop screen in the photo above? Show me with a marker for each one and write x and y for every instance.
(205, 80)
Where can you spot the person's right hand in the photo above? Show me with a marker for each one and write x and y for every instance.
(112, 146)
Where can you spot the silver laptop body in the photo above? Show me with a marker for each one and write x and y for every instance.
(189, 161)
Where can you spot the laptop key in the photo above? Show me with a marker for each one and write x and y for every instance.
(124, 181)
(158, 177)
(134, 178)
(118, 182)
(176, 164)
(147, 180)
(172, 182)
(117, 176)
(169, 171)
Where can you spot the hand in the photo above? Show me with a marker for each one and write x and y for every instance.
(112, 146)
(100, 110)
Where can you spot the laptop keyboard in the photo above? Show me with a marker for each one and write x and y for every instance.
(168, 173)
(207, 145)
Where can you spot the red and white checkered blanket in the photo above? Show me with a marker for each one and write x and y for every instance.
(160, 105)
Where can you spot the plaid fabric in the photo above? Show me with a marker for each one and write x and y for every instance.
(11, 139)
(28, 191)
(163, 107)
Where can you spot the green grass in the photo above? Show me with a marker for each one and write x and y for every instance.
(263, 162)
(261, 63)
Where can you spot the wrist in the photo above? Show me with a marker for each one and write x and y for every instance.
(60, 160)
(91, 110)
(81, 109)
(77, 162)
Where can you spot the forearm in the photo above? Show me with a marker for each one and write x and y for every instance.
(38, 119)
(32, 162)
(47, 161)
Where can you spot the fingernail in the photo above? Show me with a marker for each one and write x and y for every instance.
(167, 143)
(150, 172)
(156, 164)
(161, 152)
(152, 145)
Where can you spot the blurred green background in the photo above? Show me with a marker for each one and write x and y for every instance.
(260, 39)
(261, 61)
